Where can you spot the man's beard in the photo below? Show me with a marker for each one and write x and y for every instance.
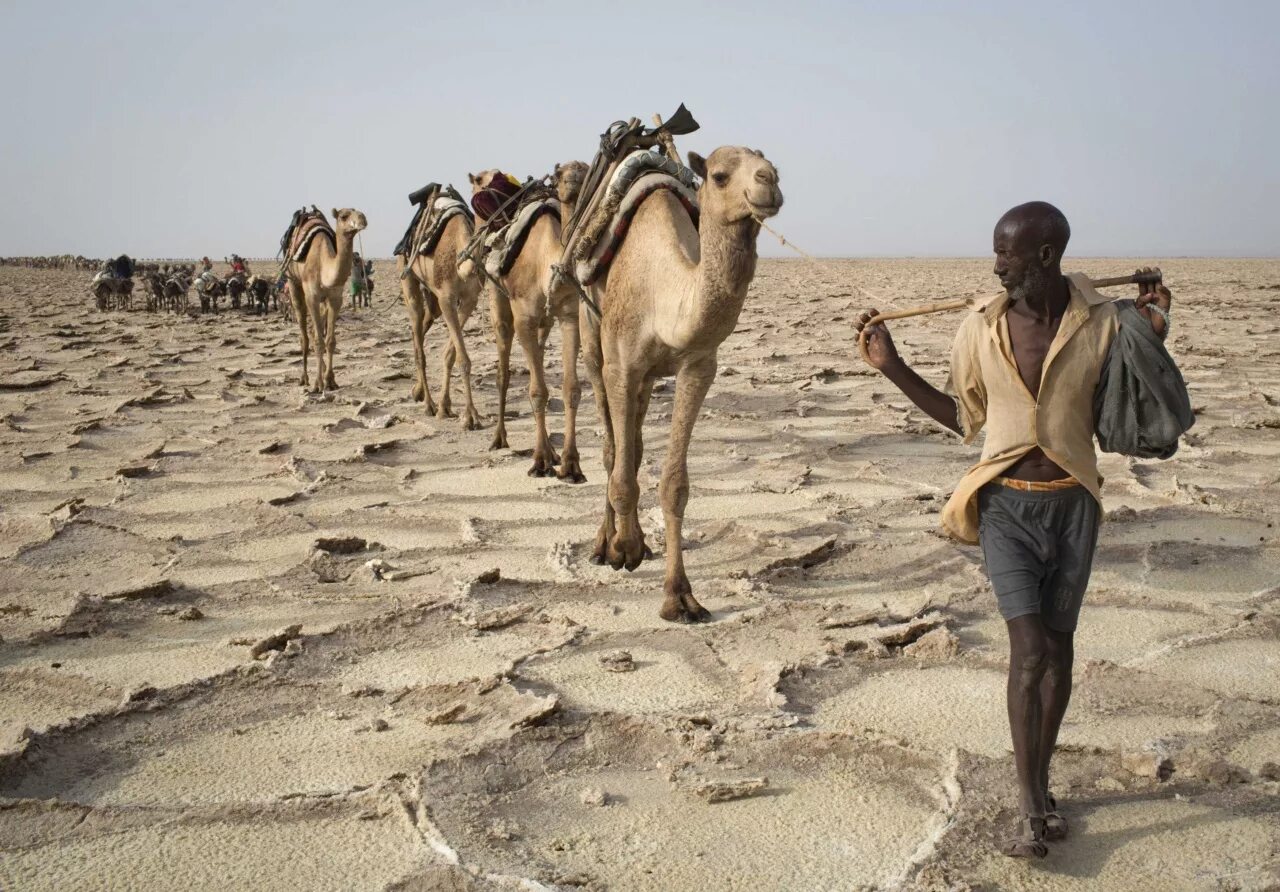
(1034, 281)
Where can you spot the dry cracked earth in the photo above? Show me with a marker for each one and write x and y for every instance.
(254, 636)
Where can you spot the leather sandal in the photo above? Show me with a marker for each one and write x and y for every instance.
(1030, 843)
(1055, 825)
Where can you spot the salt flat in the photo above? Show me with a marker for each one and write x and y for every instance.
(164, 481)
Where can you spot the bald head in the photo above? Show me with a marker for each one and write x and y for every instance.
(1029, 242)
(1035, 224)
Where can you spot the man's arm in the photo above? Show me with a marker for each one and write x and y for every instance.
(884, 357)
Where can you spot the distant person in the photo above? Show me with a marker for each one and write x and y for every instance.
(1025, 366)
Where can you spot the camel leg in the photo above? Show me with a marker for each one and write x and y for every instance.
(331, 310)
(300, 314)
(591, 359)
(449, 309)
(626, 548)
(692, 383)
(317, 332)
(416, 304)
(446, 374)
(544, 457)
(503, 331)
(570, 465)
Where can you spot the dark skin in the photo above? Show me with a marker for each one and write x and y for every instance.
(1028, 249)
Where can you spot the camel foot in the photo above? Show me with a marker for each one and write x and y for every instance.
(625, 553)
(571, 469)
(543, 466)
(601, 546)
(680, 606)
(471, 422)
(499, 440)
(444, 411)
(330, 383)
(419, 393)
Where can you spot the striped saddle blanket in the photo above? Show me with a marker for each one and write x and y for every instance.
(640, 175)
(431, 227)
(305, 232)
(506, 244)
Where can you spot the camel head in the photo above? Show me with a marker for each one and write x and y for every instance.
(568, 179)
(349, 221)
(480, 180)
(737, 183)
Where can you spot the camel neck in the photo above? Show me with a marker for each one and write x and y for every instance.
(725, 269)
(336, 268)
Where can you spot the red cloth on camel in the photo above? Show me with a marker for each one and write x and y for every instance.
(487, 201)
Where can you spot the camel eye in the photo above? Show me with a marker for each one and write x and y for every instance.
(720, 178)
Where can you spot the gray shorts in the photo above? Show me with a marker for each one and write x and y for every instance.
(1038, 547)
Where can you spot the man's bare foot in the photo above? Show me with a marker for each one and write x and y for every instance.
(1029, 843)
(1055, 825)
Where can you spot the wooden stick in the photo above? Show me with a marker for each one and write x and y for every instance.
(1153, 277)
(667, 140)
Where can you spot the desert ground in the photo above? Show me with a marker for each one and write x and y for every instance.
(254, 637)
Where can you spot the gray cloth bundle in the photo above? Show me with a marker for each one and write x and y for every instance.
(1141, 406)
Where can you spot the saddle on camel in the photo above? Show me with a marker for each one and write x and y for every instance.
(304, 228)
(435, 205)
(506, 211)
(632, 163)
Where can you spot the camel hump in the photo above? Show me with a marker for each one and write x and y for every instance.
(638, 176)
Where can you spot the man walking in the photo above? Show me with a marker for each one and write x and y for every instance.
(1025, 366)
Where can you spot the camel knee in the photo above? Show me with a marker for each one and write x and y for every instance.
(624, 492)
(673, 492)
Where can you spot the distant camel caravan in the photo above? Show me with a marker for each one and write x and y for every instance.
(641, 260)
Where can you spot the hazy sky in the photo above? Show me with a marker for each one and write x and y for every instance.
(180, 129)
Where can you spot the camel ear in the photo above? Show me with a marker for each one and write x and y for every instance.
(471, 178)
(335, 213)
(698, 165)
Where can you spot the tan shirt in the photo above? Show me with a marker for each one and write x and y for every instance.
(990, 393)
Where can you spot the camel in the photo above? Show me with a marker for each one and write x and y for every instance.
(672, 294)
(529, 309)
(262, 291)
(437, 286)
(110, 292)
(237, 285)
(316, 291)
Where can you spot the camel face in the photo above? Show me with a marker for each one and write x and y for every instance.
(737, 183)
(349, 220)
(480, 180)
(568, 179)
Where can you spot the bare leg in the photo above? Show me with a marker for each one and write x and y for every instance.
(1055, 694)
(570, 464)
(503, 331)
(692, 384)
(1028, 661)
(544, 457)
